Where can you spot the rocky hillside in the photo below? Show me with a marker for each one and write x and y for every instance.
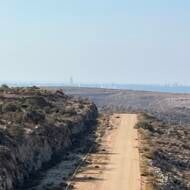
(35, 126)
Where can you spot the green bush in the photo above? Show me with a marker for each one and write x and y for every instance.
(4, 87)
(145, 125)
(37, 102)
(9, 107)
(34, 116)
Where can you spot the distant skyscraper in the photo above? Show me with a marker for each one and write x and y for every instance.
(71, 81)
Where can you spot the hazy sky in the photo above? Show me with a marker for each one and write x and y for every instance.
(120, 41)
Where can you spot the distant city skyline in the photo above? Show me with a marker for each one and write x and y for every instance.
(168, 88)
(70, 82)
(122, 42)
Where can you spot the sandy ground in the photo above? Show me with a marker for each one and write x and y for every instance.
(116, 165)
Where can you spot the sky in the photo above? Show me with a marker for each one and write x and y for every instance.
(102, 41)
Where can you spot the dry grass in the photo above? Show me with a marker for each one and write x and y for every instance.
(146, 153)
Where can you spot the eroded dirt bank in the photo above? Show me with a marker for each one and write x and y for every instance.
(36, 126)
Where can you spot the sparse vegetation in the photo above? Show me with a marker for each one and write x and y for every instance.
(36, 125)
(4, 87)
(9, 107)
(170, 108)
(164, 131)
(165, 152)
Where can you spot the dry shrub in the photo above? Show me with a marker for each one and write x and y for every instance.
(9, 107)
(146, 153)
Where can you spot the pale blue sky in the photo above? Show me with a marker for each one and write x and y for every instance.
(120, 41)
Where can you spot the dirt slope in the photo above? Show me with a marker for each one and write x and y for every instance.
(119, 166)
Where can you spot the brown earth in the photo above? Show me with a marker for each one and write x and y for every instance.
(116, 165)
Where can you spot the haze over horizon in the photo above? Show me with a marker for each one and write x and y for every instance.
(123, 41)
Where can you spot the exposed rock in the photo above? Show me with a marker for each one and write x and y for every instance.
(41, 129)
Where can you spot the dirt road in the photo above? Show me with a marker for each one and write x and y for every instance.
(116, 165)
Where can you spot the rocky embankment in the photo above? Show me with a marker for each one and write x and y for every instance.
(35, 126)
(165, 151)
